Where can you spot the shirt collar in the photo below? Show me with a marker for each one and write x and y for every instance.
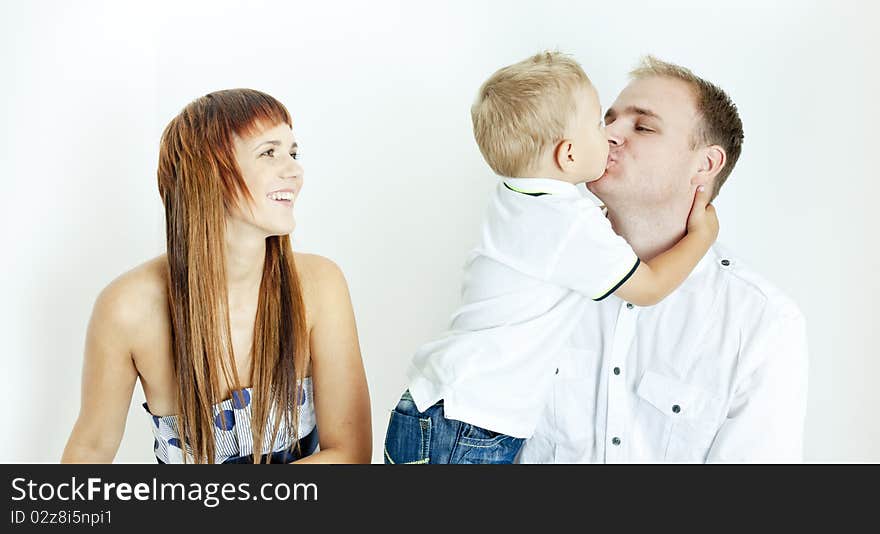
(704, 268)
(705, 262)
(537, 186)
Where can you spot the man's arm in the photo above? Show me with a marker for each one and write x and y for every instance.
(765, 421)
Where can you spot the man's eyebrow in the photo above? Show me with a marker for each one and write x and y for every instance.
(642, 111)
(632, 110)
(274, 142)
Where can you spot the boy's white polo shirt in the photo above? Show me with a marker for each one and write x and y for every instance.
(544, 251)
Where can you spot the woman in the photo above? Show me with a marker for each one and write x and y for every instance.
(236, 339)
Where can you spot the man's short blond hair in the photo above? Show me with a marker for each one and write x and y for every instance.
(524, 108)
(719, 119)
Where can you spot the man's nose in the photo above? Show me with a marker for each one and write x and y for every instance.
(614, 137)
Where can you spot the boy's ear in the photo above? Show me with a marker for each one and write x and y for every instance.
(563, 156)
(712, 160)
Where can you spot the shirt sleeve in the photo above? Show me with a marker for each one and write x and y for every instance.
(765, 421)
(593, 260)
(567, 243)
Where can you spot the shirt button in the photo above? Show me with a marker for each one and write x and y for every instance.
(616, 441)
(557, 370)
(617, 370)
(676, 408)
(629, 305)
(725, 262)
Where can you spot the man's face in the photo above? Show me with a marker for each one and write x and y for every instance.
(650, 128)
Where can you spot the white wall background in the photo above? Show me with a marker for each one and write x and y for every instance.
(395, 186)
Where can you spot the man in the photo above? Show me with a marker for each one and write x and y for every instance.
(716, 372)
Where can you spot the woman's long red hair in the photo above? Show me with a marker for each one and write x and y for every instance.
(200, 183)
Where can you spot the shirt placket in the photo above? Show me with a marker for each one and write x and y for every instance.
(615, 423)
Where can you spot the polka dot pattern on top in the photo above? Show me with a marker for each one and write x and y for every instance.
(232, 428)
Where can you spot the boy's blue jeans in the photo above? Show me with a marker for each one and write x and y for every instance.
(428, 437)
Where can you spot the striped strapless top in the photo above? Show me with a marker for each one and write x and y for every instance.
(233, 441)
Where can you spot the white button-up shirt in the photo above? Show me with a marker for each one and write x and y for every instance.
(716, 372)
(544, 251)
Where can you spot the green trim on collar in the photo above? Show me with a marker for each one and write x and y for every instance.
(530, 193)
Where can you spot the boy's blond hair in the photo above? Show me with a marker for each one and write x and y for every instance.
(524, 108)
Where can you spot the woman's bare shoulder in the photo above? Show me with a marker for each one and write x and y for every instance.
(317, 269)
(136, 298)
(322, 281)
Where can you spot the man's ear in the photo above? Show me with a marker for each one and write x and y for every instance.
(712, 160)
(563, 156)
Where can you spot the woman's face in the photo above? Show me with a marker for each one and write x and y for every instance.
(269, 166)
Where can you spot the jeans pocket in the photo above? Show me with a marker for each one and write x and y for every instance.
(478, 445)
(408, 439)
(479, 436)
